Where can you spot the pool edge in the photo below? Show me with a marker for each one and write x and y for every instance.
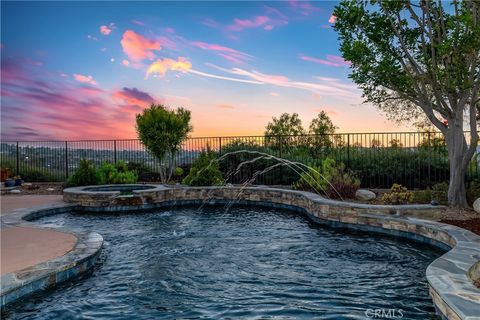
(450, 277)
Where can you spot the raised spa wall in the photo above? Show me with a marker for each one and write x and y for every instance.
(451, 277)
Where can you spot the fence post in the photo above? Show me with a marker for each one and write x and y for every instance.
(348, 150)
(18, 161)
(281, 146)
(220, 146)
(115, 151)
(429, 160)
(66, 159)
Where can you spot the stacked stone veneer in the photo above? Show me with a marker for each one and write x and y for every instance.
(451, 277)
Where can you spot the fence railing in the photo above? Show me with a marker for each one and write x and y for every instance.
(414, 159)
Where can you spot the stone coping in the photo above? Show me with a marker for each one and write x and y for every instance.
(80, 259)
(111, 189)
(450, 277)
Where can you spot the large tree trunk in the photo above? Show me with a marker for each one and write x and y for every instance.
(457, 151)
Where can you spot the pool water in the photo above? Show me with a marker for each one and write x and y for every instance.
(247, 262)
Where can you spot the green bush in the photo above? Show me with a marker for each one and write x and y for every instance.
(473, 191)
(118, 173)
(36, 175)
(330, 178)
(398, 195)
(205, 171)
(178, 172)
(85, 174)
(437, 192)
(107, 173)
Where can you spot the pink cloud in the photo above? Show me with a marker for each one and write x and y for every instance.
(125, 62)
(331, 60)
(38, 107)
(138, 22)
(160, 67)
(303, 7)
(84, 79)
(242, 24)
(268, 27)
(230, 58)
(225, 106)
(137, 47)
(324, 87)
(106, 30)
(210, 23)
(332, 19)
(133, 96)
(227, 53)
(278, 80)
(271, 11)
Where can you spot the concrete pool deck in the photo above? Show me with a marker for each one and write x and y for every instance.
(25, 247)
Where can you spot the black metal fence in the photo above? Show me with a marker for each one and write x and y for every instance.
(414, 159)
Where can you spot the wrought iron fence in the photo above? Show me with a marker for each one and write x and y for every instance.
(414, 159)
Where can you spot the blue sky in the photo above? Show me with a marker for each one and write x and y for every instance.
(80, 70)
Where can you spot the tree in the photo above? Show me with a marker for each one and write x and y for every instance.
(282, 132)
(419, 58)
(287, 124)
(162, 131)
(322, 128)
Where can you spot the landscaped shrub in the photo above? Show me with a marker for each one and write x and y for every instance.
(379, 168)
(144, 172)
(85, 174)
(473, 191)
(107, 173)
(312, 180)
(330, 178)
(398, 195)
(118, 173)
(205, 171)
(178, 175)
(37, 175)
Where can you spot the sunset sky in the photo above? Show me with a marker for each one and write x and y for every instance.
(83, 70)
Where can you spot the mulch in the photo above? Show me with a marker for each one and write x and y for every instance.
(470, 224)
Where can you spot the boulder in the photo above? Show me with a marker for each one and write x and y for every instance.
(476, 205)
(365, 195)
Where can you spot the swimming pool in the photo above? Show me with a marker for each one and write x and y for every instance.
(247, 262)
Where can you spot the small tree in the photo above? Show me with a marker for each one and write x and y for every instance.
(288, 131)
(281, 132)
(162, 131)
(416, 58)
(205, 171)
(322, 128)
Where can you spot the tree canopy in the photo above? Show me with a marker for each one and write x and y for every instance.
(286, 124)
(414, 59)
(162, 131)
(288, 131)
